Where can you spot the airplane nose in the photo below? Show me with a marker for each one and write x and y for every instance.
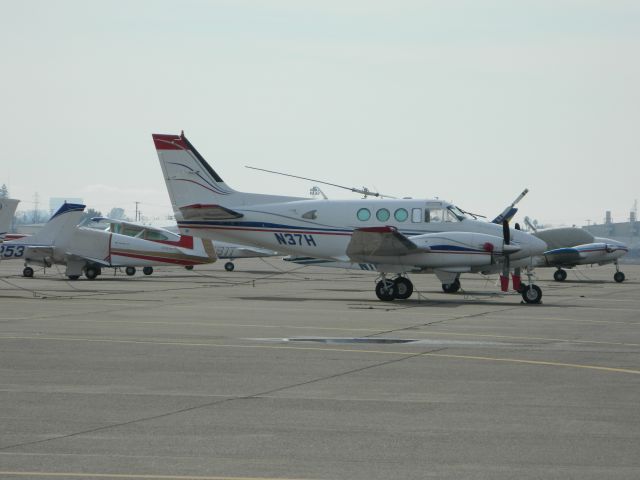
(533, 246)
(539, 246)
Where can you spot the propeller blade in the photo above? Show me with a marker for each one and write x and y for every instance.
(506, 267)
(506, 233)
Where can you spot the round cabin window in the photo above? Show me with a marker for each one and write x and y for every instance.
(364, 214)
(383, 214)
(401, 215)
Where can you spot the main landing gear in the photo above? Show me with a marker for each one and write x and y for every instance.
(399, 288)
(618, 276)
(451, 287)
(560, 275)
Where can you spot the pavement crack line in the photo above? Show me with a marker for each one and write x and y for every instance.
(224, 400)
(436, 322)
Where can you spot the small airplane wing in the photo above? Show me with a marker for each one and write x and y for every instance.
(367, 243)
(199, 211)
(562, 256)
(72, 257)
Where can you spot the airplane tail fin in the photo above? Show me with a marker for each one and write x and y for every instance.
(60, 226)
(7, 210)
(192, 182)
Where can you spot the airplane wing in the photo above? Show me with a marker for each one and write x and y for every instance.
(562, 256)
(199, 211)
(368, 243)
(72, 257)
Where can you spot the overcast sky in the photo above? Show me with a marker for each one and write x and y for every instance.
(470, 101)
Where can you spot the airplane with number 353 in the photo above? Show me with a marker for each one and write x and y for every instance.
(87, 250)
(397, 236)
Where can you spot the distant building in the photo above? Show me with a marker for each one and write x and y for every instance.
(56, 202)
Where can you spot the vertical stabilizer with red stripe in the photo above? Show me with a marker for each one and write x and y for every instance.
(192, 181)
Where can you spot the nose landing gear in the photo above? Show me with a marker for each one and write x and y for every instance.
(530, 292)
(618, 276)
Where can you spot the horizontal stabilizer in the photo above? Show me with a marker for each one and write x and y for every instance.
(199, 211)
(368, 243)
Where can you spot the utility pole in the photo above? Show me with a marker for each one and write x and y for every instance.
(36, 205)
(137, 212)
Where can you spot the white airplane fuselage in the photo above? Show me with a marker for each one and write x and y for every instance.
(282, 227)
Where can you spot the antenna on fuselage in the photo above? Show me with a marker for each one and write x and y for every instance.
(363, 191)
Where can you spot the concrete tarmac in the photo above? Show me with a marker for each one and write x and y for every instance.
(276, 371)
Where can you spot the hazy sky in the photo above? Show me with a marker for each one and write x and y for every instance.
(470, 101)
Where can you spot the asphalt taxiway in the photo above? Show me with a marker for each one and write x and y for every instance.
(276, 371)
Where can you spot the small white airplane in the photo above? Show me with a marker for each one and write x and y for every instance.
(570, 247)
(226, 251)
(86, 250)
(397, 236)
(7, 210)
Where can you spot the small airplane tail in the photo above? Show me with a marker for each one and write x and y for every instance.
(193, 184)
(199, 249)
(59, 228)
(7, 210)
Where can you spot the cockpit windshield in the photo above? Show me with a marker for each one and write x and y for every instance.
(456, 212)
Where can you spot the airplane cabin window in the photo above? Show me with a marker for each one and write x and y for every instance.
(401, 215)
(416, 215)
(151, 235)
(364, 214)
(434, 215)
(449, 216)
(383, 214)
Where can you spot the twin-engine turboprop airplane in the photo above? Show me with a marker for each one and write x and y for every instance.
(397, 236)
(226, 251)
(572, 246)
(81, 249)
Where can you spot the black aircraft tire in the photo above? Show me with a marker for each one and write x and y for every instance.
(73, 277)
(229, 266)
(91, 273)
(404, 286)
(619, 277)
(27, 272)
(131, 271)
(451, 287)
(532, 294)
(147, 270)
(189, 267)
(560, 275)
(388, 292)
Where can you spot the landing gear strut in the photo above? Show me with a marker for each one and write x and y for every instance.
(560, 275)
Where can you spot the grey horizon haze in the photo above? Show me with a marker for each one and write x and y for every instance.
(470, 101)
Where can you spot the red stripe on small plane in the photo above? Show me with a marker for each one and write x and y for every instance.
(158, 259)
(186, 241)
